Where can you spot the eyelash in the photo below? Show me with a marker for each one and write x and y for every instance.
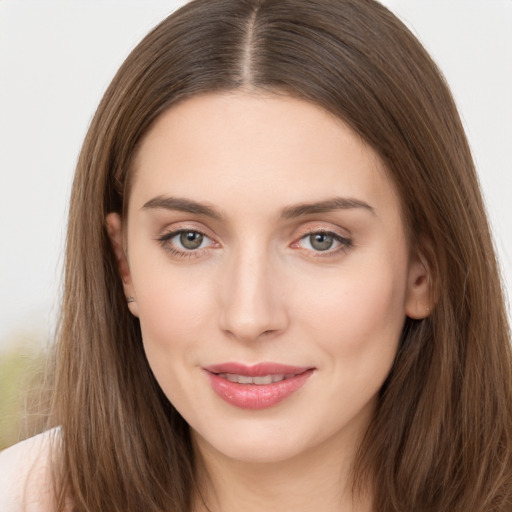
(344, 243)
(191, 253)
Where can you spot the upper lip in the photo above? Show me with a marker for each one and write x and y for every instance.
(256, 370)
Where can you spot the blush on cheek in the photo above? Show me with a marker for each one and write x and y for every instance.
(174, 311)
(384, 313)
(367, 311)
(168, 295)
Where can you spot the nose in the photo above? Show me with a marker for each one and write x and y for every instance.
(253, 303)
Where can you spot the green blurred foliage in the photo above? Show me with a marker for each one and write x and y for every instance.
(24, 390)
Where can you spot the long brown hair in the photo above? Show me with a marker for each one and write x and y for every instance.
(441, 438)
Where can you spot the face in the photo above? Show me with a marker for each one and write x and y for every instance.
(267, 258)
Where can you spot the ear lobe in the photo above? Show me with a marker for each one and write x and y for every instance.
(115, 233)
(419, 290)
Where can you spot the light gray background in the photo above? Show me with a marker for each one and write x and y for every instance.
(57, 58)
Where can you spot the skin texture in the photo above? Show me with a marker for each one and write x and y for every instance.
(25, 475)
(258, 289)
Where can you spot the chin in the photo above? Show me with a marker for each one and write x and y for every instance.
(254, 445)
(261, 453)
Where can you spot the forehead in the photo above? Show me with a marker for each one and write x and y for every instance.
(263, 150)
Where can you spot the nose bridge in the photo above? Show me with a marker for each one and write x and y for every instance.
(252, 303)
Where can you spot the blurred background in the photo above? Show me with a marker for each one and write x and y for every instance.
(56, 60)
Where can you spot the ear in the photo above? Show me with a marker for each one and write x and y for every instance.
(419, 290)
(115, 233)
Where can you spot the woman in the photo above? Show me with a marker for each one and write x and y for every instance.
(280, 287)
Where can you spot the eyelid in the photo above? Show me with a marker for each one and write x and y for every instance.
(345, 241)
(323, 227)
(187, 225)
(170, 232)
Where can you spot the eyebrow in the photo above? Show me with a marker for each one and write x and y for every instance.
(182, 205)
(189, 206)
(329, 205)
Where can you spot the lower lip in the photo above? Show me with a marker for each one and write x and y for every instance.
(254, 396)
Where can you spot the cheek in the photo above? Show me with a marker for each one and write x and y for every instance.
(173, 309)
(357, 311)
(173, 314)
(356, 324)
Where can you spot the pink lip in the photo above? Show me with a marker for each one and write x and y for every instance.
(256, 396)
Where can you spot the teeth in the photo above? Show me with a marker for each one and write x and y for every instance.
(245, 379)
(267, 379)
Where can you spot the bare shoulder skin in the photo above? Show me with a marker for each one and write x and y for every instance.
(25, 475)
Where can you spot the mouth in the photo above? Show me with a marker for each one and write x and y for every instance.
(258, 386)
(257, 381)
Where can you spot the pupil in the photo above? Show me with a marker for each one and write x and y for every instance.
(191, 239)
(321, 241)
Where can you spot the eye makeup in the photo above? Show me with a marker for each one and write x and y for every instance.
(193, 243)
(323, 243)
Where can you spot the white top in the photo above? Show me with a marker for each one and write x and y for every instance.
(25, 476)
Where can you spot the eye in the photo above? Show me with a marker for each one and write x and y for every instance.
(321, 241)
(189, 240)
(185, 242)
(324, 242)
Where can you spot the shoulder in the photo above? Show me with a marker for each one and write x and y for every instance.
(25, 475)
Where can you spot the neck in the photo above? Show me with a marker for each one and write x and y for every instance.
(317, 480)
